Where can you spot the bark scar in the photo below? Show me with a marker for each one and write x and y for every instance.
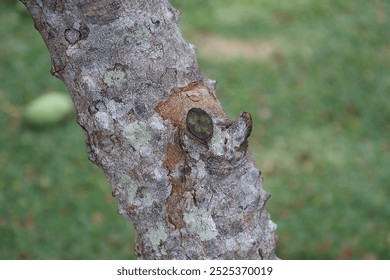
(174, 158)
(182, 99)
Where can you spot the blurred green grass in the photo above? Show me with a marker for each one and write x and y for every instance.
(319, 98)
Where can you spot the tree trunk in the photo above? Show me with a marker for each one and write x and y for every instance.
(180, 169)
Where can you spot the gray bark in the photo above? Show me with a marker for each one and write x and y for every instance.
(180, 169)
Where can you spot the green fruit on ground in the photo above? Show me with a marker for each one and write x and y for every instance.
(48, 109)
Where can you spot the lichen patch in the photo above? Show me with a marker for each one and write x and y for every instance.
(156, 235)
(136, 134)
(131, 187)
(201, 223)
(114, 77)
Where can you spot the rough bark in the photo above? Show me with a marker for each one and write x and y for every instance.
(180, 169)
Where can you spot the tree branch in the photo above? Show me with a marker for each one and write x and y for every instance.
(180, 169)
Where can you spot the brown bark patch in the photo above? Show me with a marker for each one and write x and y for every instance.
(173, 156)
(181, 100)
(174, 208)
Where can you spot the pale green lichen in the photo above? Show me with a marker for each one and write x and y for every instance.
(245, 246)
(137, 134)
(245, 243)
(114, 77)
(131, 187)
(200, 223)
(157, 234)
(137, 36)
(201, 169)
(217, 145)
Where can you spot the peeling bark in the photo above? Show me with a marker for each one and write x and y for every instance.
(180, 169)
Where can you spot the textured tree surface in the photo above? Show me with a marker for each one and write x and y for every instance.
(180, 169)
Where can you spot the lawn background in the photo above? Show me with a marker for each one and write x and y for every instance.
(315, 75)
